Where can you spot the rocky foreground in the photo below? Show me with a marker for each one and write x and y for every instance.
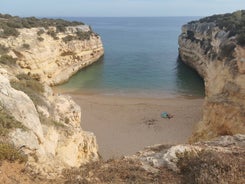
(212, 162)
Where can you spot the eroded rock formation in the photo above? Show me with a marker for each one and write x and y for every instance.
(53, 138)
(53, 59)
(215, 52)
(45, 126)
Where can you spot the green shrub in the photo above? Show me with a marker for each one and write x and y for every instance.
(67, 53)
(40, 32)
(53, 34)
(234, 23)
(9, 24)
(9, 31)
(31, 87)
(3, 49)
(8, 123)
(241, 39)
(227, 50)
(40, 39)
(31, 83)
(26, 46)
(68, 38)
(79, 36)
(14, 23)
(60, 28)
(83, 35)
(6, 59)
(10, 153)
(51, 122)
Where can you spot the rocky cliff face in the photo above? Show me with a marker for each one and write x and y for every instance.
(44, 125)
(52, 137)
(215, 52)
(50, 56)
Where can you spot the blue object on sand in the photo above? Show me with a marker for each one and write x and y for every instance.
(164, 115)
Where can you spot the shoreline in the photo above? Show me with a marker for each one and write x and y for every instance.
(124, 125)
(138, 94)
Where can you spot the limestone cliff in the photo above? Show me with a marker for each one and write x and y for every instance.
(53, 59)
(35, 54)
(214, 46)
(52, 137)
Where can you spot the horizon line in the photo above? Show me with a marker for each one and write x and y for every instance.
(115, 16)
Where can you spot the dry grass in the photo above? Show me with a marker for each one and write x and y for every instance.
(51, 122)
(10, 153)
(31, 87)
(3, 49)
(219, 119)
(119, 171)
(7, 123)
(208, 167)
(67, 53)
(7, 60)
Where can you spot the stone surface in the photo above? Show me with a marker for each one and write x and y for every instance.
(53, 61)
(220, 61)
(155, 157)
(20, 106)
(53, 145)
(53, 139)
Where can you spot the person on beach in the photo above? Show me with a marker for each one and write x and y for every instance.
(166, 115)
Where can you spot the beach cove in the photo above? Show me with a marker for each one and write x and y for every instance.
(124, 125)
(140, 76)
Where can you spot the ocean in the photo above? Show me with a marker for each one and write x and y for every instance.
(141, 59)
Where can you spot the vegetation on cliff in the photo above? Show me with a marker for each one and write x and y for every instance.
(10, 153)
(8, 123)
(232, 22)
(9, 25)
(30, 86)
(214, 46)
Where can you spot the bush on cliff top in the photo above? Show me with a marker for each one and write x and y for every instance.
(232, 22)
(79, 36)
(9, 24)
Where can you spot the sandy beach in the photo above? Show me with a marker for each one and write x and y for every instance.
(125, 125)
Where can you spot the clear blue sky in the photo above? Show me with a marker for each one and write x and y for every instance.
(112, 8)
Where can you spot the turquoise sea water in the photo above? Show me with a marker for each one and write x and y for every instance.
(141, 58)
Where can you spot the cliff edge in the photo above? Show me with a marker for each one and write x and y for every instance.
(215, 47)
(50, 51)
(37, 125)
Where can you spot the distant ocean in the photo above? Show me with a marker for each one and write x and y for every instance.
(141, 58)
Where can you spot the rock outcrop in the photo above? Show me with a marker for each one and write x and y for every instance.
(217, 53)
(53, 59)
(34, 55)
(53, 138)
(217, 161)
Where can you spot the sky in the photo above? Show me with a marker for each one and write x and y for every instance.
(118, 8)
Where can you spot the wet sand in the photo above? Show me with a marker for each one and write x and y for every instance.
(125, 125)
